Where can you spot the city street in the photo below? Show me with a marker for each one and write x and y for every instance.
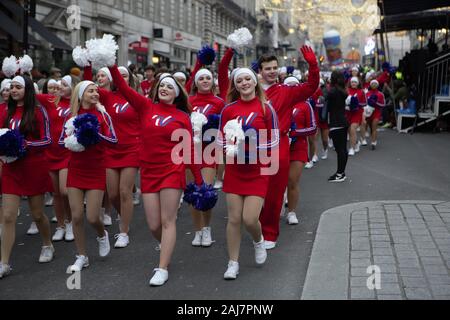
(404, 167)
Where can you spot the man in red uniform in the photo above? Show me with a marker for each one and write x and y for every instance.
(283, 99)
(147, 84)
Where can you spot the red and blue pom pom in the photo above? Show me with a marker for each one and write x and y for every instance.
(207, 55)
(202, 198)
(372, 101)
(354, 103)
(12, 144)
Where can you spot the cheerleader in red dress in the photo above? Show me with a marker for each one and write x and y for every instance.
(354, 112)
(4, 97)
(375, 100)
(246, 183)
(58, 108)
(303, 125)
(27, 176)
(206, 103)
(86, 176)
(121, 159)
(283, 98)
(370, 75)
(163, 120)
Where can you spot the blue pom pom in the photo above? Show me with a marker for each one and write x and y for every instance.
(255, 66)
(202, 198)
(86, 129)
(12, 144)
(290, 69)
(347, 75)
(293, 127)
(354, 103)
(213, 123)
(372, 100)
(312, 102)
(207, 55)
(386, 66)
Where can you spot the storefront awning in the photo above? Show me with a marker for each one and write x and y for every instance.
(13, 29)
(391, 7)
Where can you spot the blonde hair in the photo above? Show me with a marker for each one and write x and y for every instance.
(234, 94)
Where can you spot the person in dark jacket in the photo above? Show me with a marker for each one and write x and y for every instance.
(337, 123)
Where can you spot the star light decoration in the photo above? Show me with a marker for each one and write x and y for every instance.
(318, 16)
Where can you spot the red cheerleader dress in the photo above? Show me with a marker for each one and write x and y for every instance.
(87, 169)
(57, 157)
(162, 166)
(245, 179)
(207, 104)
(28, 176)
(355, 116)
(305, 125)
(376, 115)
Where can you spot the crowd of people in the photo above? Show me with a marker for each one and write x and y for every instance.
(254, 128)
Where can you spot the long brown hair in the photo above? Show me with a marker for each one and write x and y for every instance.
(233, 93)
(181, 102)
(28, 125)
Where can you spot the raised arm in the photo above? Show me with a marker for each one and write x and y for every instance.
(136, 101)
(224, 80)
(87, 74)
(198, 66)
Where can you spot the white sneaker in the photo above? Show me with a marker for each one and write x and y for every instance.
(69, 236)
(103, 245)
(357, 147)
(218, 184)
(49, 201)
(367, 135)
(158, 247)
(197, 242)
(324, 155)
(59, 234)
(33, 229)
(5, 269)
(47, 254)
(269, 244)
(54, 219)
(80, 263)
(122, 240)
(260, 252)
(206, 237)
(309, 165)
(315, 158)
(373, 145)
(107, 221)
(232, 270)
(291, 218)
(330, 143)
(351, 152)
(160, 277)
(364, 142)
(137, 197)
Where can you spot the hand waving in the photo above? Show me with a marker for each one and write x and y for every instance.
(308, 55)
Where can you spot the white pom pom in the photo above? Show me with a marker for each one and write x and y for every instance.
(234, 135)
(25, 64)
(69, 127)
(348, 100)
(10, 66)
(240, 38)
(80, 57)
(198, 120)
(102, 52)
(72, 144)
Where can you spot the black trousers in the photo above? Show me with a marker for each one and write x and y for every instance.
(339, 137)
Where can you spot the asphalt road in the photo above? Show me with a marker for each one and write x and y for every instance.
(404, 167)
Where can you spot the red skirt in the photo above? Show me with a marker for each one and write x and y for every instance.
(245, 180)
(122, 156)
(320, 124)
(299, 150)
(26, 177)
(86, 178)
(354, 116)
(376, 115)
(57, 157)
(162, 176)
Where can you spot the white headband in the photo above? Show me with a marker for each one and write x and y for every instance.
(107, 72)
(374, 81)
(20, 80)
(6, 84)
(123, 69)
(233, 73)
(83, 87)
(163, 75)
(68, 80)
(354, 79)
(242, 71)
(355, 69)
(171, 81)
(179, 75)
(202, 72)
(283, 70)
(291, 79)
(52, 81)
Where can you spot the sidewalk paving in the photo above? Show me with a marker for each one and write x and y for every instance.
(408, 240)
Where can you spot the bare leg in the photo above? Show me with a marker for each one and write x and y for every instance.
(250, 215)
(10, 206)
(76, 199)
(36, 204)
(295, 172)
(235, 204)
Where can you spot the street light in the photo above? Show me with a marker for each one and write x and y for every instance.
(155, 60)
